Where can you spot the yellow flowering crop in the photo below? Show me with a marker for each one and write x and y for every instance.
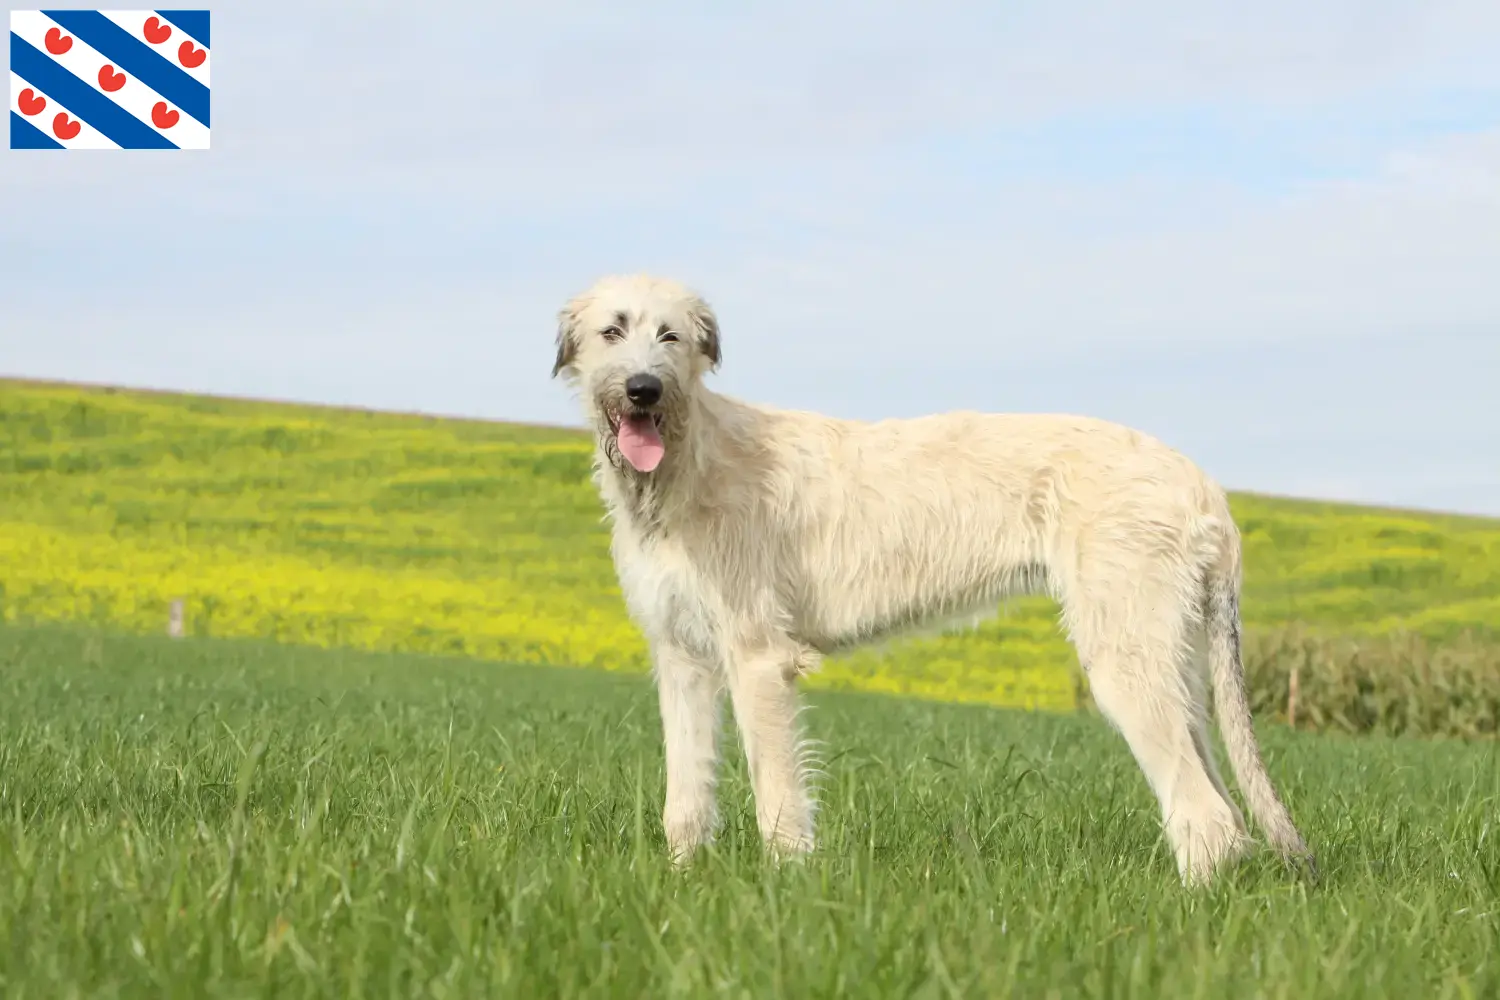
(394, 532)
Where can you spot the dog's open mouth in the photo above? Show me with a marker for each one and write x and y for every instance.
(638, 435)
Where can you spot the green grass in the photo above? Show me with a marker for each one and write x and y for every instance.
(212, 818)
(385, 531)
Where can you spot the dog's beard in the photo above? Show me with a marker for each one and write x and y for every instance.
(636, 435)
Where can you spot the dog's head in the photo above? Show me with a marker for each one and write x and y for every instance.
(636, 347)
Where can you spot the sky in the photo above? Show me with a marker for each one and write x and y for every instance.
(1267, 233)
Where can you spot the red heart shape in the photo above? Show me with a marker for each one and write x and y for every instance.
(57, 42)
(161, 117)
(64, 129)
(190, 57)
(109, 79)
(155, 31)
(31, 102)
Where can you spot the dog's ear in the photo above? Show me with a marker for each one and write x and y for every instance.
(567, 335)
(706, 330)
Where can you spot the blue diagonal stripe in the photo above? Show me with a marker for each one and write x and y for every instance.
(126, 130)
(24, 135)
(136, 58)
(194, 22)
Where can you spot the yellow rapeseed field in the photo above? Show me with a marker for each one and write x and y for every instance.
(395, 532)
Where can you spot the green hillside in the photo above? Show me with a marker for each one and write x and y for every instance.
(395, 532)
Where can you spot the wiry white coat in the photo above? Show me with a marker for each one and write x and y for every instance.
(769, 537)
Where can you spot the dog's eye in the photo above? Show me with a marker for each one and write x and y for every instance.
(612, 333)
(668, 337)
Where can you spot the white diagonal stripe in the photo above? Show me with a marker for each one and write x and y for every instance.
(134, 22)
(84, 62)
(88, 137)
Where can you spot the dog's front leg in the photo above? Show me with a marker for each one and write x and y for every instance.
(690, 692)
(761, 685)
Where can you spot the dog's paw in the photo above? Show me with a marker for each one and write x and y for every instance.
(684, 837)
(786, 846)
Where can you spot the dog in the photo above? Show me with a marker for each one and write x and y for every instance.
(752, 541)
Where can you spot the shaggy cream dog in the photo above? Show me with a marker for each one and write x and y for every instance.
(749, 541)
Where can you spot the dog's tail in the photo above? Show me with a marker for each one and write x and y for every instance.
(1222, 619)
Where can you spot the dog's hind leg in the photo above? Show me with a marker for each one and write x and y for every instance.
(762, 686)
(1138, 662)
(1197, 679)
(691, 693)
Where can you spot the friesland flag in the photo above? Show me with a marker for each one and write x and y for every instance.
(109, 79)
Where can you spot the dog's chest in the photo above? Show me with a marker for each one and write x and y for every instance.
(666, 593)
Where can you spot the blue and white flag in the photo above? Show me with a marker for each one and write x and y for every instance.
(109, 79)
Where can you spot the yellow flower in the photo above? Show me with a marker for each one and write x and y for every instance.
(387, 532)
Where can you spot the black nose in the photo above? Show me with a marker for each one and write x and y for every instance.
(643, 390)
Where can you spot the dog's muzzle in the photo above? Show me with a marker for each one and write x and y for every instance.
(643, 391)
(637, 429)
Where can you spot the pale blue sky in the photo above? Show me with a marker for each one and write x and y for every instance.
(1270, 236)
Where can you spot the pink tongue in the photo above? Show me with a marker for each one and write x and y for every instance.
(640, 444)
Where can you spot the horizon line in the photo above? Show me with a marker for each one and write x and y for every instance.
(62, 383)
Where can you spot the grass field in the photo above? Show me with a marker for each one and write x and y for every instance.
(389, 532)
(212, 818)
